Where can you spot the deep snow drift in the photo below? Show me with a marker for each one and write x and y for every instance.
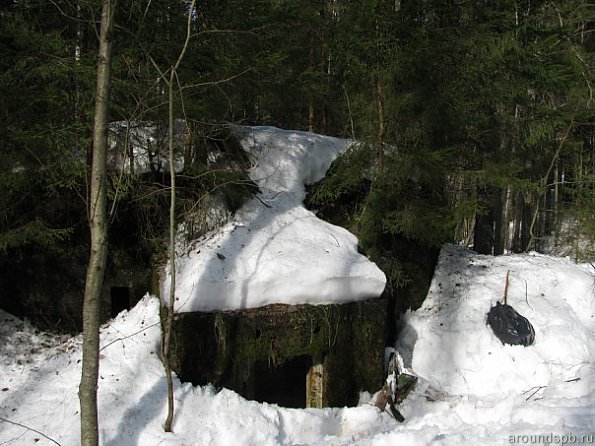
(472, 389)
(275, 250)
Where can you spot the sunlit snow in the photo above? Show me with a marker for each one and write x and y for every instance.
(472, 389)
(275, 250)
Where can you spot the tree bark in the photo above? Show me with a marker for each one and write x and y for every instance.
(501, 222)
(311, 98)
(98, 226)
(484, 230)
(167, 426)
(381, 127)
(483, 234)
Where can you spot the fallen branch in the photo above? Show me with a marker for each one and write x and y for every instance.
(537, 389)
(129, 336)
(527, 296)
(572, 380)
(265, 204)
(30, 429)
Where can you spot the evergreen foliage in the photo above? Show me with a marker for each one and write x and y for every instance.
(42, 144)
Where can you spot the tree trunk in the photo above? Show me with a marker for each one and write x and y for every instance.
(98, 226)
(509, 218)
(500, 223)
(517, 245)
(381, 128)
(311, 97)
(167, 426)
(484, 230)
(172, 261)
(483, 234)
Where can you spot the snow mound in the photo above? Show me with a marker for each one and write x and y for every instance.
(275, 250)
(39, 402)
(472, 390)
(448, 342)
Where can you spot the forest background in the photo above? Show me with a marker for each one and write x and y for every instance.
(474, 118)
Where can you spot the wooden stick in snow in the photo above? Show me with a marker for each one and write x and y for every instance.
(506, 288)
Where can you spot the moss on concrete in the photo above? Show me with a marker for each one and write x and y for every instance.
(222, 348)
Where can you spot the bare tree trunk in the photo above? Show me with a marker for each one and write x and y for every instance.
(556, 205)
(517, 223)
(98, 226)
(500, 222)
(311, 98)
(381, 127)
(172, 229)
(543, 183)
(351, 126)
(172, 262)
(484, 231)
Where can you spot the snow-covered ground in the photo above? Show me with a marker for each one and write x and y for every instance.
(472, 389)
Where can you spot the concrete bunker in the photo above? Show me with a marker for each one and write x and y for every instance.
(290, 355)
(284, 384)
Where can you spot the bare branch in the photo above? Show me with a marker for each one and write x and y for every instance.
(218, 82)
(30, 429)
(129, 336)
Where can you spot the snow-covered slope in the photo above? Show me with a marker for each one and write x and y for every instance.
(556, 295)
(275, 250)
(472, 391)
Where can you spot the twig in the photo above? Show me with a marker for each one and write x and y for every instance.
(13, 439)
(259, 199)
(129, 336)
(572, 380)
(506, 288)
(30, 429)
(217, 82)
(537, 389)
(338, 244)
(527, 295)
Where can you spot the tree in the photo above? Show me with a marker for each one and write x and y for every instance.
(171, 84)
(98, 223)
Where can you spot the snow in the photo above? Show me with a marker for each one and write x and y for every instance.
(274, 250)
(472, 389)
(142, 146)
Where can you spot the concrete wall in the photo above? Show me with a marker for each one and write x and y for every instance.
(345, 343)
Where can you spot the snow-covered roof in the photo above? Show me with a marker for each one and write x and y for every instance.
(275, 250)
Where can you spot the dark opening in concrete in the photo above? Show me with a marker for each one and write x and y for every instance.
(284, 385)
(120, 299)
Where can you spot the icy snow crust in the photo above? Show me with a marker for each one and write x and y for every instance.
(275, 250)
(472, 390)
